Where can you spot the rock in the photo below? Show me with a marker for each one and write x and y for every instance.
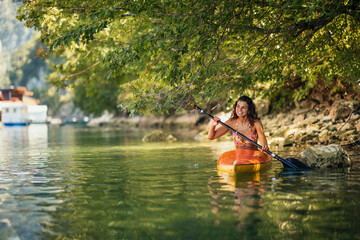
(171, 138)
(272, 124)
(183, 121)
(95, 122)
(329, 156)
(291, 132)
(293, 136)
(355, 118)
(313, 129)
(202, 135)
(291, 118)
(310, 120)
(288, 142)
(320, 117)
(324, 125)
(299, 118)
(326, 119)
(353, 138)
(311, 134)
(342, 127)
(158, 136)
(275, 142)
(278, 132)
(331, 128)
(341, 109)
(324, 136)
(262, 106)
(357, 126)
(199, 137)
(305, 104)
(308, 137)
(285, 120)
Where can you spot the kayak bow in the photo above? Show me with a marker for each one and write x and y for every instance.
(243, 161)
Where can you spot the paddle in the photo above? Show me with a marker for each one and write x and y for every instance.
(291, 163)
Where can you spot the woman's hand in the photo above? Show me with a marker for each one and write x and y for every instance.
(264, 147)
(215, 121)
(215, 132)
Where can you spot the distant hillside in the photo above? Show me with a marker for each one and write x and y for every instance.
(18, 44)
(12, 32)
(19, 65)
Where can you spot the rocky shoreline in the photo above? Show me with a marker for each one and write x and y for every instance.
(321, 131)
(309, 125)
(306, 124)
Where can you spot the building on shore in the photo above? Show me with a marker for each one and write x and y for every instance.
(19, 107)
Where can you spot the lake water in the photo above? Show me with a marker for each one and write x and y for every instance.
(77, 183)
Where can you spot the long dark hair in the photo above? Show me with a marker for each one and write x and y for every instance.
(252, 114)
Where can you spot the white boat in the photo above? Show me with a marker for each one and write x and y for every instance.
(14, 113)
(37, 113)
(19, 114)
(20, 110)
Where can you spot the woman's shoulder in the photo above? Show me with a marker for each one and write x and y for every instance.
(257, 122)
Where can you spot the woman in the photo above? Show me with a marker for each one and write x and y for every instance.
(245, 120)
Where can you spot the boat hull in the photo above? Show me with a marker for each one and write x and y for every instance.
(16, 124)
(241, 161)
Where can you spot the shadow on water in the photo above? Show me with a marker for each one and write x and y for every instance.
(291, 174)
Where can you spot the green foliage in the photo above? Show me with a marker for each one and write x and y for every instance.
(100, 99)
(206, 49)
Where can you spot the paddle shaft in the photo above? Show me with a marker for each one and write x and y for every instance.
(240, 134)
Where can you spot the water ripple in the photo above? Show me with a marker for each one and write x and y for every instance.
(68, 183)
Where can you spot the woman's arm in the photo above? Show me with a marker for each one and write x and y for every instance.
(260, 132)
(215, 133)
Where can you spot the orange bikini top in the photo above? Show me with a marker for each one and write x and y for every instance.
(241, 141)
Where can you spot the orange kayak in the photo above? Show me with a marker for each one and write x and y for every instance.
(243, 161)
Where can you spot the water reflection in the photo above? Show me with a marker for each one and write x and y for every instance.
(26, 186)
(304, 205)
(32, 138)
(73, 183)
(240, 195)
(137, 190)
(283, 204)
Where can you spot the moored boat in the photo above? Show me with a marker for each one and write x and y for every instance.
(19, 108)
(243, 161)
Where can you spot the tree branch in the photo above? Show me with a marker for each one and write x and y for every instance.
(86, 69)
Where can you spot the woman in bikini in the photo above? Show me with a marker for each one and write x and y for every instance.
(245, 120)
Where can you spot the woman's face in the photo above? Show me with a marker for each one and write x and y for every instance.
(242, 109)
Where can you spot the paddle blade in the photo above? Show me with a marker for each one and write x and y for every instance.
(293, 163)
